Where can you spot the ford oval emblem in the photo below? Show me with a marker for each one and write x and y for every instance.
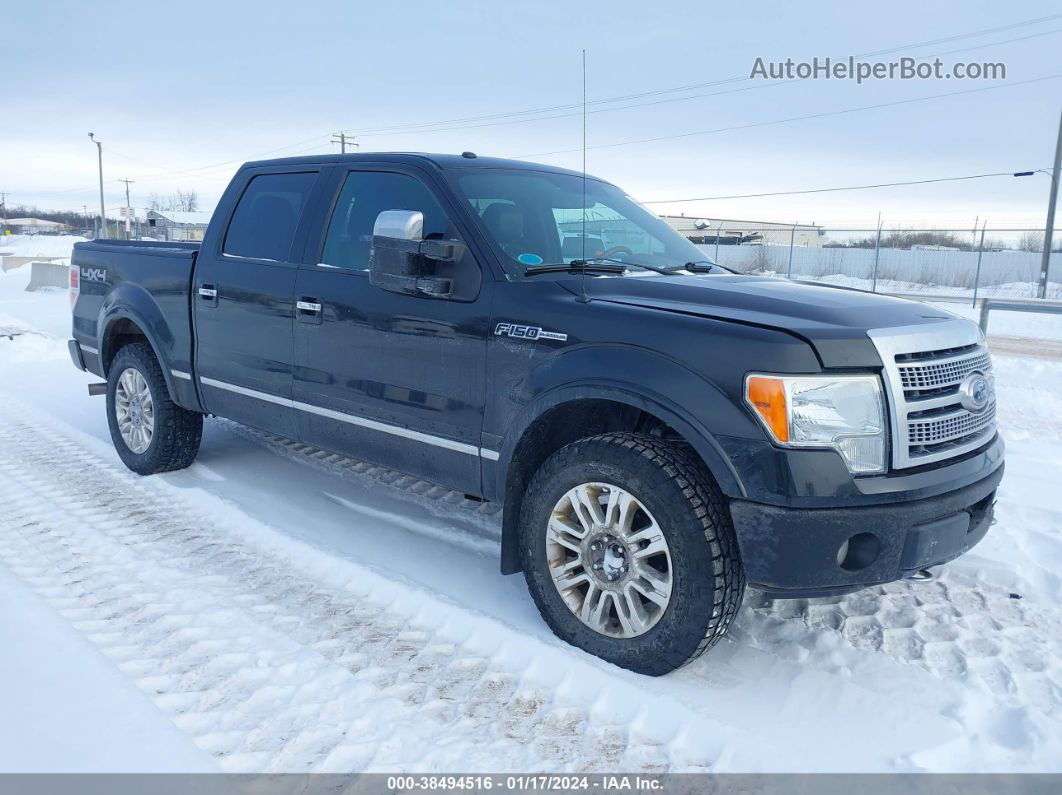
(976, 392)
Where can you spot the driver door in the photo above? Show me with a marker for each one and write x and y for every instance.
(396, 379)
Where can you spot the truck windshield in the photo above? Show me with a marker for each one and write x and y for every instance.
(537, 218)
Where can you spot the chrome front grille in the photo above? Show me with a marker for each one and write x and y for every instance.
(956, 425)
(942, 374)
(925, 367)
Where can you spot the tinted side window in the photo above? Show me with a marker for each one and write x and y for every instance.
(365, 195)
(263, 225)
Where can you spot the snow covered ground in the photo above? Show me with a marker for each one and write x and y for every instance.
(278, 608)
(38, 245)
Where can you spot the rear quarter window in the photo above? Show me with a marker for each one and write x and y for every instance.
(267, 215)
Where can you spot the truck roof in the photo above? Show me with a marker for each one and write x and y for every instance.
(441, 161)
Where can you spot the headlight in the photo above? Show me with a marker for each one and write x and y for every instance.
(843, 412)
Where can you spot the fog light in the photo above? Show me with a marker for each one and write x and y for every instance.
(858, 552)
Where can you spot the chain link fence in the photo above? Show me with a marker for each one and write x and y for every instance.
(956, 263)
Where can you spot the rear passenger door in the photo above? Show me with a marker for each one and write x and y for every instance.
(243, 304)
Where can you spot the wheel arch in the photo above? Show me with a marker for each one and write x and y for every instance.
(576, 411)
(124, 329)
(130, 314)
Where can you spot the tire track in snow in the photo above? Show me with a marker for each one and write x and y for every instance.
(957, 627)
(270, 670)
(347, 466)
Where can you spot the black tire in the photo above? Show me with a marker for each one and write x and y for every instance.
(708, 581)
(177, 431)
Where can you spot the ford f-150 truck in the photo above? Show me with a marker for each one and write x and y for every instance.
(660, 431)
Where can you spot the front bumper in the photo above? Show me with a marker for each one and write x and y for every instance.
(805, 552)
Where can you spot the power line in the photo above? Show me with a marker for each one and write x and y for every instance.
(210, 168)
(985, 32)
(830, 190)
(997, 43)
(419, 126)
(598, 110)
(223, 163)
(667, 100)
(426, 126)
(822, 115)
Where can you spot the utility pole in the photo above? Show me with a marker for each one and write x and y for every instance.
(128, 211)
(1045, 262)
(103, 210)
(877, 253)
(343, 140)
(3, 213)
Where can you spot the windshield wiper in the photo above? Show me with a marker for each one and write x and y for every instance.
(656, 268)
(704, 266)
(573, 266)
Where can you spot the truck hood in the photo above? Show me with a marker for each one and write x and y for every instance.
(834, 320)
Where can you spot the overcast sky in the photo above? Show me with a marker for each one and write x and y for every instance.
(181, 93)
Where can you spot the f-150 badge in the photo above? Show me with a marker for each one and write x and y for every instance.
(527, 332)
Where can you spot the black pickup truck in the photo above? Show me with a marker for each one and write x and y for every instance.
(660, 431)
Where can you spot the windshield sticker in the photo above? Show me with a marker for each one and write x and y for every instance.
(530, 259)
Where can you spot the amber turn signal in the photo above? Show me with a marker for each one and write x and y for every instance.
(767, 396)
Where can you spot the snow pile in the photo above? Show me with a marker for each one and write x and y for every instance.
(38, 245)
(922, 288)
(1006, 290)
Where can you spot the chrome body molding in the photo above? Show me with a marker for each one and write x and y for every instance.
(181, 374)
(353, 419)
(242, 390)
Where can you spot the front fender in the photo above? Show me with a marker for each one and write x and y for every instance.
(692, 405)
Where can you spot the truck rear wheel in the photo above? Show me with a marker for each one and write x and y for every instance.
(150, 432)
(629, 552)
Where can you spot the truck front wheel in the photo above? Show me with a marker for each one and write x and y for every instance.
(150, 432)
(629, 552)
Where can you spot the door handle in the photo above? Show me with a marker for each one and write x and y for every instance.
(209, 294)
(308, 310)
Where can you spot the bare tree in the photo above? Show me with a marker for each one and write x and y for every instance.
(183, 201)
(1031, 241)
(188, 201)
(905, 238)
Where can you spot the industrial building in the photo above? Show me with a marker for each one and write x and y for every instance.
(34, 226)
(174, 225)
(733, 232)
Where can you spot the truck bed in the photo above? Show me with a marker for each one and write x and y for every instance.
(147, 282)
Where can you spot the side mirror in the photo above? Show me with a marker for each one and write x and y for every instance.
(400, 253)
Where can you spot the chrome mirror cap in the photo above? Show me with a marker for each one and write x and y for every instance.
(399, 225)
